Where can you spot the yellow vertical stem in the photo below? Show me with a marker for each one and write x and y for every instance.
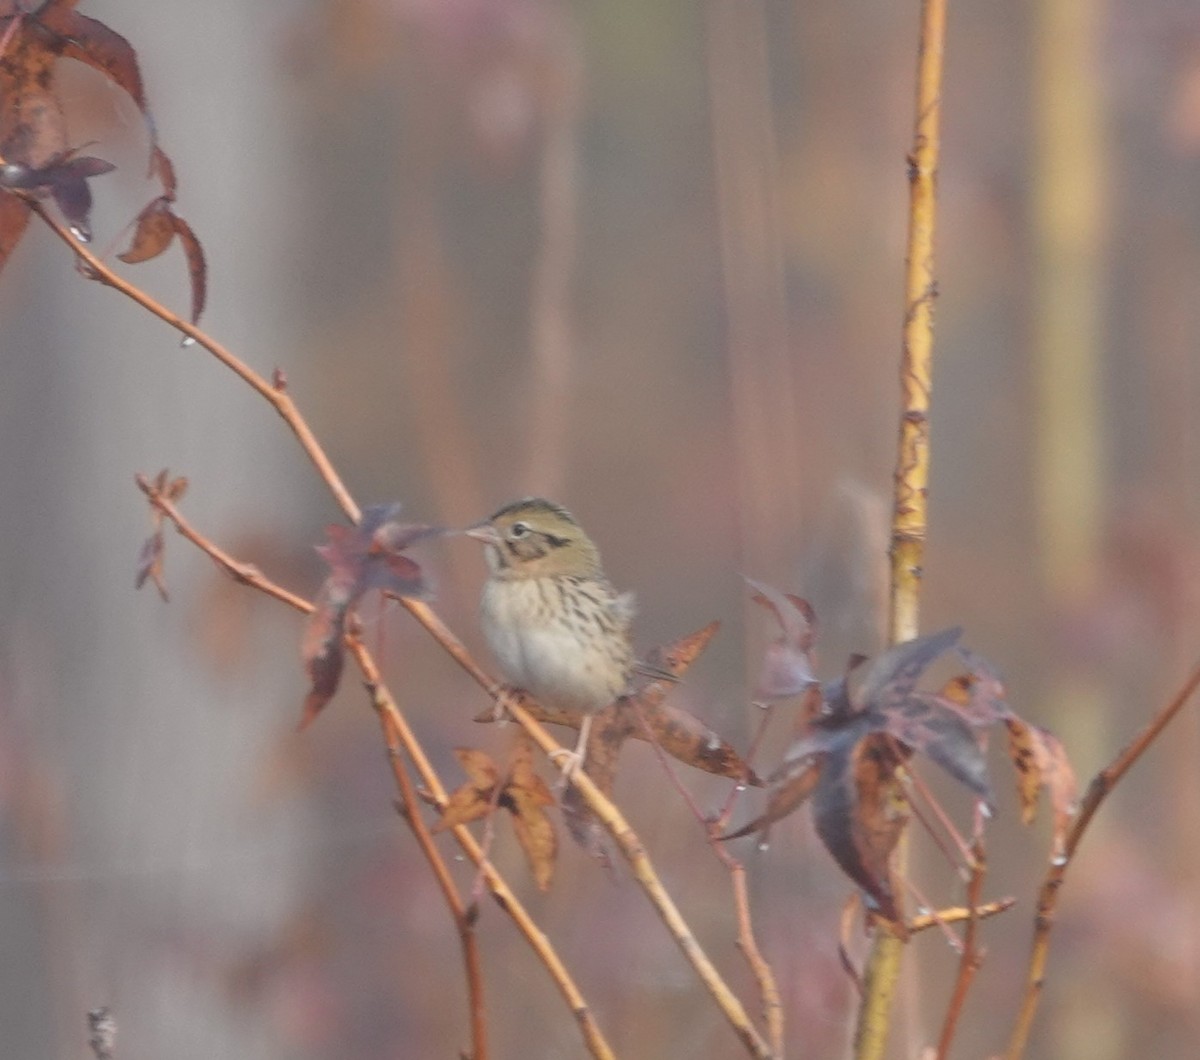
(909, 516)
(1069, 229)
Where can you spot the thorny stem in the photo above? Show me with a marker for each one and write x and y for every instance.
(1098, 790)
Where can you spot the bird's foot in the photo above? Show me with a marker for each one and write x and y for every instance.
(503, 696)
(569, 762)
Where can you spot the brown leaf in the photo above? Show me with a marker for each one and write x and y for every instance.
(527, 797)
(1041, 762)
(859, 813)
(477, 797)
(152, 234)
(32, 127)
(193, 253)
(611, 727)
(685, 737)
(323, 654)
(789, 790)
(980, 693)
(157, 225)
(14, 219)
(93, 43)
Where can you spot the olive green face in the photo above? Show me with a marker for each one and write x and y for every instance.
(535, 537)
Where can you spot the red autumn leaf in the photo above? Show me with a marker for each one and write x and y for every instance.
(152, 233)
(157, 226)
(787, 666)
(33, 130)
(361, 558)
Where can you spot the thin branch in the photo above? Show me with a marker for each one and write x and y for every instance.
(643, 871)
(958, 913)
(274, 393)
(1099, 789)
(971, 957)
(463, 920)
(768, 989)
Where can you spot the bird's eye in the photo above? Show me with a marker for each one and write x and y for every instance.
(519, 530)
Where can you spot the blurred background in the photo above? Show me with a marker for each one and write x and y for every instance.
(645, 258)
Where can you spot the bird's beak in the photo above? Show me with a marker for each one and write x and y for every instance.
(484, 532)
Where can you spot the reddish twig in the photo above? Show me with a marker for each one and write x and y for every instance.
(971, 957)
(273, 392)
(768, 989)
(1099, 789)
(464, 920)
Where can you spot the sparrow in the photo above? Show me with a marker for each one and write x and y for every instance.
(557, 627)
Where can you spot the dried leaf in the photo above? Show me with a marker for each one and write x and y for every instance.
(464, 806)
(789, 790)
(150, 564)
(323, 655)
(478, 766)
(938, 731)
(891, 677)
(152, 234)
(685, 737)
(787, 666)
(360, 558)
(157, 225)
(527, 797)
(980, 693)
(611, 727)
(1041, 762)
(33, 129)
(14, 219)
(859, 818)
(92, 42)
